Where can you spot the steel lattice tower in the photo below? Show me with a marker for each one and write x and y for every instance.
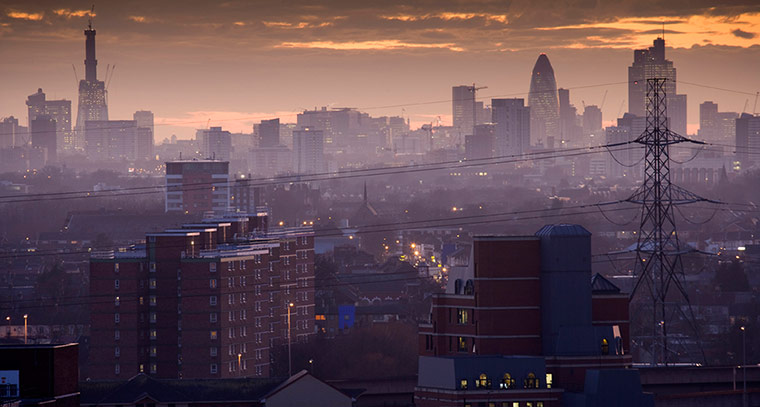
(659, 265)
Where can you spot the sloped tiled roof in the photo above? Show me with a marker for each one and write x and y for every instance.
(600, 285)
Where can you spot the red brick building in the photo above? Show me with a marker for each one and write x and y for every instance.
(208, 300)
(525, 325)
(197, 186)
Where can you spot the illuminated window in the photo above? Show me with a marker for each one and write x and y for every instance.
(462, 316)
(212, 283)
(531, 382)
(483, 381)
(153, 334)
(152, 300)
(116, 301)
(507, 382)
(213, 335)
(463, 384)
(605, 347)
(549, 380)
(462, 344)
(152, 283)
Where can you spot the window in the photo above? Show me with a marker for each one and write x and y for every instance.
(549, 380)
(142, 300)
(152, 267)
(463, 384)
(242, 280)
(116, 301)
(508, 382)
(117, 369)
(458, 286)
(213, 350)
(212, 300)
(116, 284)
(153, 317)
(153, 334)
(213, 368)
(231, 299)
(462, 344)
(462, 316)
(116, 267)
(116, 318)
(469, 288)
(231, 332)
(117, 352)
(483, 381)
(243, 315)
(605, 347)
(258, 354)
(152, 283)
(230, 266)
(153, 351)
(212, 335)
(212, 283)
(243, 298)
(116, 335)
(531, 382)
(153, 368)
(231, 316)
(153, 300)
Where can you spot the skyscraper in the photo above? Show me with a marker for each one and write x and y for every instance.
(715, 125)
(463, 105)
(480, 145)
(651, 63)
(92, 92)
(544, 106)
(747, 139)
(512, 126)
(58, 110)
(145, 134)
(43, 129)
(269, 133)
(308, 151)
(111, 140)
(592, 119)
(215, 143)
(569, 129)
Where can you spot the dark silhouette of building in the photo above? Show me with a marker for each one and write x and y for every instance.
(747, 139)
(525, 322)
(481, 144)
(544, 106)
(592, 119)
(43, 129)
(462, 108)
(651, 63)
(512, 132)
(92, 92)
(269, 133)
(569, 129)
(207, 300)
(39, 375)
(145, 134)
(10, 133)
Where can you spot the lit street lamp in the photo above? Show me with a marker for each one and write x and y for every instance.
(290, 362)
(8, 318)
(26, 317)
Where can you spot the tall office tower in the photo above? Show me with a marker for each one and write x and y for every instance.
(747, 139)
(512, 126)
(715, 125)
(215, 143)
(144, 118)
(592, 119)
(197, 186)
(651, 63)
(58, 110)
(206, 300)
(339, 126)
(145, 134)
(9, 130)
(110, 140)
(481, 144)
(568, 118)
(43, 129)
(462, 108)
(308, 151)
(544, 106)
(269, 133)
(92, 92)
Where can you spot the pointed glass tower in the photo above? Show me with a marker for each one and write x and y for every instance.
(544, 105)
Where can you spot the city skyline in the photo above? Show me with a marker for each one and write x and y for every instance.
(412, 53)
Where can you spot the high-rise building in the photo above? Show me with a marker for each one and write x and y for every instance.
(651, 63)
(92, 92)
(269, 133)
(625, 163)
(512, 126)
(144, 118)
(716, 126)
(544, 106)
(308, 151)
(58, 110)
(110, 140)
(463, 108)
(269, 161)
(197, 186)
(145, 134)
(592, 119)
(747, 139)
(339, 126)
(9, 133)
(206, 300)
(569, 129)
(215, 143)
(567, 330)
(43, 129)
(481, 144)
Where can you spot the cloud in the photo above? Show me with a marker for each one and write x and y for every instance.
(382, 45)
(743, 34)
(239, 23)
(68, 13)
(138, 19)
(299, 25)
(21, 15)
(449, 16)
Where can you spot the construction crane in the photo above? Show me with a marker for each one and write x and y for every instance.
(89, 17)
(754, 108)
(474, 89)
(604, 99)
(76, 77)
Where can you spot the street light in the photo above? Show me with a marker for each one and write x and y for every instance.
(26, 317)
(744, 366)
(311, 366)
(8, 318)
(290, 361)
(240, 369)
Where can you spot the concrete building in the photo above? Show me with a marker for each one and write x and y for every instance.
(43, 129)
(526, 324)
(207, 300)
(747, 140)
(110, 140)
(463, 109)
(145, 134)
(197, 186)
(215, 143)
(92, 92)
(58, 110)
(569, 129)
(309, 151)
(512, 131)
(10, 133)
(544, 105)
(268, 132)
(270, 161)
(592, 119)
(716, 126)
(481, 144)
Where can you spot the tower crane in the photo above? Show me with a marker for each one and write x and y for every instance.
(474, 89)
